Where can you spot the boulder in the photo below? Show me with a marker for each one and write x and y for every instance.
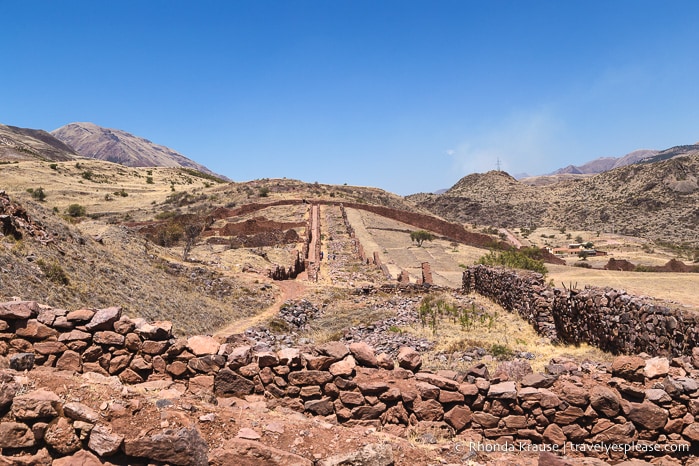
(35, 405)
(19, 310)
(374, 454)
(239, 452)
(81, 458)
(183, 447)
(409, 359)
(364, 354)
(22, 361)
(605, 401)
(201, 345)
(15, 435)
(60, 436)
(104, 319)
(629, 368)
(648, 415)
(228, 383)
(656, 367)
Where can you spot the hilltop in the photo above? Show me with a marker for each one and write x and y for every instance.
(32, 144)
(118, 146)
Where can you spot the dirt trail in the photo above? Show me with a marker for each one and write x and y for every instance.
(290, 289)
(511, 238)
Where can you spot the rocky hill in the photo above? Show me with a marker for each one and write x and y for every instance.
(623, 200)
(604, 164)
(114, 145)
(32, 144)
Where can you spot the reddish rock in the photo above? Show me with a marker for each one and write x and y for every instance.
(60, 436)
(159, 330)
(503, 390)
(548, 399)
(515, 421)
(34, 330)
(438, 381)
(364, 354)
(124, 325)
(200, 345)
(19, 310)
(458, 417)
(109, 338)
(80, 315)
(322, 407)
(183, 447)
(427, 391)
(605, 401)
(656, 367)
(568, 416)
(514, 370)
(154, 347)
(554, 435)
(266, 359)
(40, 458)
(446, 397)
(75, 335)
(344, 368)
(372, 387)
(49, 347)
(334, 350)
(365, 413)
(629, 368)
(617, 433)
(177, 368)
(132, 342)
(35, 405)
(575, 395)
(485, 420)
(374, 454)
(81, 458)
(80, 412)
(228, 383)
(468, 389)
(119, 363)
(288, 357)
(409, 359)
(8, 389)
(240, 452)
(201, 384)
(385, 361)
(430, 410)
(104, 319)
(129, 376)
(691, 432)
(15, 435)
(648, 415)
(351, 398)
(301, 378)
(394, 415)
(317, 363)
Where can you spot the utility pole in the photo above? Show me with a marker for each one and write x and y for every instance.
(498, 164)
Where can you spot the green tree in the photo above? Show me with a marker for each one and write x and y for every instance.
(76, 210)
(421, 236)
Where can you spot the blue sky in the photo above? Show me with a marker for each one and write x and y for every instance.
(405, 95)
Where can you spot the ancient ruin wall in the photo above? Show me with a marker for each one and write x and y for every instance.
(609, 319)
(354, 384)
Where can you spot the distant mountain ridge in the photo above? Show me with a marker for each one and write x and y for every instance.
(118, 146)
(32, 144)
(604, 164)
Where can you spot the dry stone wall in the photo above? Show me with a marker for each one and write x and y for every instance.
(610, 319)
(631, 401)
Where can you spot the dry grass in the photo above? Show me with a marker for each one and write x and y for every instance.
(497, 328)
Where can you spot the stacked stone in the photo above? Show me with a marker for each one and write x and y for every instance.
(635, 400)
(609, 319)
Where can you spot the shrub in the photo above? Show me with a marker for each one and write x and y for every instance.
(37, 193)
(264, 191)
(53, 272)
(87, 175)
(76, 210)
(516, 259)
(149, 179)
(53, 166)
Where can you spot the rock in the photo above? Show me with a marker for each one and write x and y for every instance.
(107, 337)
(301, 378)
(183, 447)
(8, 390)
(554, 435)
(629, 368)
(351, 399)
(80, 315)
(409, 359)
(288, 357)
(575, 395)
(35, 405)
(344, 368)
(60, 435)
(69, 361)
(656, 367)
(385, 362)
(427, 391)
(503, 390)
(334, 350)
(514, 370)
(19, 310)
(375, 454)
(248, 434)
(605, 401)
(438, 381)
(648, 415)
(429, 410)
(40, 458)
(81, 458)
(241, 452)
(103, 441)
(34, 330)
(22, 361)
(159, 330)
(104, 319)
(228, 383)
(365, 413)
(74, 335)
(266, 359)
(80, 412)
(691, 432)
(49, 347)
(458, 417)
(201, 345)
(15, 435)
(549, 459)
(364, 354)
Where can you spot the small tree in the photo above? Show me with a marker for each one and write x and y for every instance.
(76, 210)
(191, 232)
(421, 236)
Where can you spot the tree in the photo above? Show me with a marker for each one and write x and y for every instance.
(420, 236)
(76, 210)
(191, 232)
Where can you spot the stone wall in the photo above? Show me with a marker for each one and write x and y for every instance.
(609, 319)
(634, 400)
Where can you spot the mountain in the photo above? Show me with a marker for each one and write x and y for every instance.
(654, 200)
(18, 144)
(604, 164)
(114, 145)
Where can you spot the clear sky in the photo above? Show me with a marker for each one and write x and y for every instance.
(405, 95)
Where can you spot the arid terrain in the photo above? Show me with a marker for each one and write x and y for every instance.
(276, 264)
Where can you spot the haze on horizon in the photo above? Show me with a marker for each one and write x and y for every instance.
(408, 96)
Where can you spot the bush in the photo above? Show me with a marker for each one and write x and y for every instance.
(87, 175)
(516, 259)
(53, 166)
(76, 210)
(421, 236)
(149, 179)
(37, 193)
(264, 191)
(53, 272)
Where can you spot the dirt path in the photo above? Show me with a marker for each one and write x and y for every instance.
(511, 238)
(290, 289)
